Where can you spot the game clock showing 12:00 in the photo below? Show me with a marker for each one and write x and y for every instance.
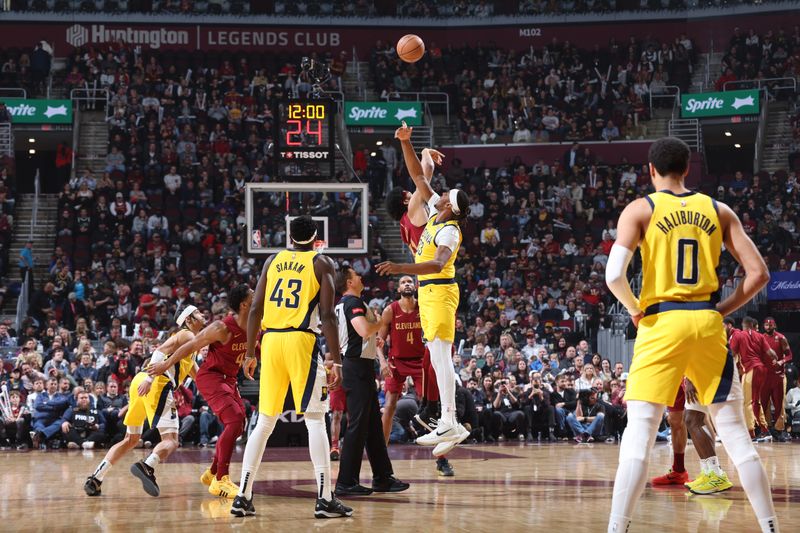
(304, 135)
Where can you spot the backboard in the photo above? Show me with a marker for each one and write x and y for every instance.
(340, 210)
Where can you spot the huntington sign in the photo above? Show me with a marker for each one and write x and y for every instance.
(720, 104)
(39, 111)
(383, 113)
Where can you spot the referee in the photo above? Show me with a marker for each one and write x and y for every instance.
(357, 334)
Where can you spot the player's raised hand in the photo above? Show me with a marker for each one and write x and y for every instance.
(403, 133)
(249, 367)
(436, 155)
(387, 268)
(335, 380)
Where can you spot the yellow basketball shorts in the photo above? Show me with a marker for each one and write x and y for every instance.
(292, 357)
(158, 406)
(677, 339)
(438, 304)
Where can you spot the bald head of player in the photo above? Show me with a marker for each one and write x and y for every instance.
(406, 286)
(669, 158)
(303, 231)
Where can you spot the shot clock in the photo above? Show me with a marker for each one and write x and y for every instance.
(304, 147)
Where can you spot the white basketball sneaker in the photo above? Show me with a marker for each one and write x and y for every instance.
(443, 432)
(443, 448)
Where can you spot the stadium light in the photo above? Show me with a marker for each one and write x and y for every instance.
(737, 145)
(379, 143)
(31, 140)
(728, 134)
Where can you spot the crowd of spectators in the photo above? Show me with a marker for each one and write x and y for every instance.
(753, 56)
(554, 93)
(369, 8)
(160, 228)
(26, 68)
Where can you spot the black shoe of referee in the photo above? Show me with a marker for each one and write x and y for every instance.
(331, 509)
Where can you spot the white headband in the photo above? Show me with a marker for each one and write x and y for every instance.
(185, 314)
(454, 201)
(313, 237)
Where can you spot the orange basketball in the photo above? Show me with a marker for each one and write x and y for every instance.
(410, 48)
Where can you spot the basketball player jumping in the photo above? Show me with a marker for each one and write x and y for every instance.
(151, 398)
(438, 295)
(216, 381)
(412, 213)
(680, 331)
(295, 293)
(400, 325)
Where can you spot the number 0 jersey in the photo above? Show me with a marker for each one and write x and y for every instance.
(680, 249)
(291, 301)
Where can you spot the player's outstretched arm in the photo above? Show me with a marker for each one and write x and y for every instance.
(629, 234)
(417, 211)
(324, 269)
(756, 274)
(255, 315)
(434, 266)
(403, 134)
(214, 332)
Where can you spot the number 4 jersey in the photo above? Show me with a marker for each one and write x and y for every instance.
(291, 301)
(680, 249)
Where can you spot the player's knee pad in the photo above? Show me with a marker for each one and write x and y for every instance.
(729, 419)
(643, 420)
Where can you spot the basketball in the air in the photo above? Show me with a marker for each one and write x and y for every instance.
(410, 48)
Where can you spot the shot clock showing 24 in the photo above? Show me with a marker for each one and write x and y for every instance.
(304, 140)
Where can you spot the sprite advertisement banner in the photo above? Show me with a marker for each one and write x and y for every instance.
(382, 113)
(725, 104)
(39, 111)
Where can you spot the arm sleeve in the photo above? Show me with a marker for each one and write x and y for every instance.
(447, 236)
(431, 207)
(616, 278)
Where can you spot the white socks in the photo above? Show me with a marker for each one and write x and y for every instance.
(254, 451)
(442, 362)
(634, 454)
(101, 470)
(320, 451)
(152, 460)
(711, 465)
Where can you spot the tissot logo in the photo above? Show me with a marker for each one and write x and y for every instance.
(77, 35)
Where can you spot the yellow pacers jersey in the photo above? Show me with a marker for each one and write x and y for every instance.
(292, 294)
(426, 249)
(681, 249)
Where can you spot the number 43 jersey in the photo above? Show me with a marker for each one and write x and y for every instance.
(680, 249)
(291, 301)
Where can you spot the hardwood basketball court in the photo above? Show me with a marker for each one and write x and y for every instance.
(499, 488)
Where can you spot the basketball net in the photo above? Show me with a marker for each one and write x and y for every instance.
(319, 246)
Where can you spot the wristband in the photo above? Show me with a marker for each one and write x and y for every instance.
(338, 365)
